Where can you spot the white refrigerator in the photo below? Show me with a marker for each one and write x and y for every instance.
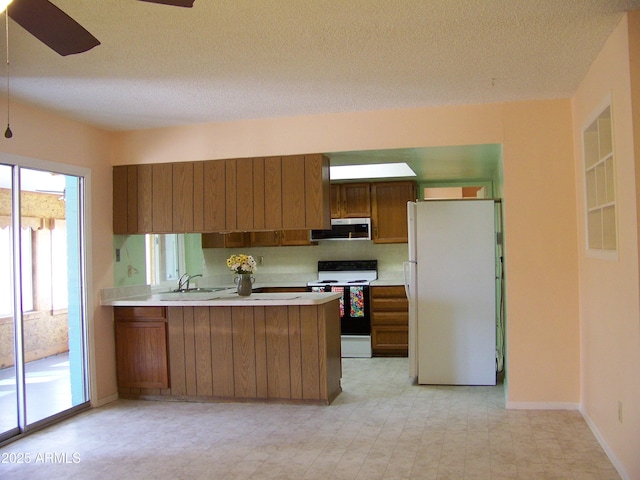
(450, 280)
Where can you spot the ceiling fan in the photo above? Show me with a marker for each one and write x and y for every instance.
(59, 31)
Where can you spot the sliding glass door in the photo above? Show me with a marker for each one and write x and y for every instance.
(43, 369)
(8, 367)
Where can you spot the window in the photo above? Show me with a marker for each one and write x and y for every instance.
(600, 184)
(165, 258)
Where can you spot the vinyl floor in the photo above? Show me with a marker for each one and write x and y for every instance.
(380, 427)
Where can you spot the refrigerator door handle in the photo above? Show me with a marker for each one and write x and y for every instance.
(406, 267)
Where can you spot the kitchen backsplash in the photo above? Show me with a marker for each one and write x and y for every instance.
(304, 260)
(278, 262)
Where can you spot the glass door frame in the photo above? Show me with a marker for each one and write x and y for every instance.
(85, 273)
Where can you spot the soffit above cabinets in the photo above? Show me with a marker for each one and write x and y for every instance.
(465, 162)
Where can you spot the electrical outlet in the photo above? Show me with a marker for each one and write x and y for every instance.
(117, 254)
(260, 260)
(619, 411)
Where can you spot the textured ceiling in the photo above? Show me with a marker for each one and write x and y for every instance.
(226, 60)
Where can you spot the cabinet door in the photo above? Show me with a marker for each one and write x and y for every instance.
(141, 354)
(230, 194)
(389, 341)
(214, 194)
(355, 200)
(212, 240)
(183, 187)
(317, 193)
(141, 347)
(293, 205)
(273, 193)
(198, 196)
(145, 198)
(162, 197)
(389, 210)
(258, 194)
(237, 239)
(335, 201)
(295, 237)
(265, 239)
(120, 200)
(226, 240)
(244, 194)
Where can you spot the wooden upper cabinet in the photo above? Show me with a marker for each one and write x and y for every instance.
(350, 200)
(258, 193)
(293, 195)
(295, 237)
(226, 240)
(273, 193)
(183, 195)
(145, 199)
(198, 197)
(268, 238)
(162, 197)
(244, 194)
(317, 188)
(234, 195)
(214, 195)
(120, 200)
(389, 210)
(335, 200)
(230, 194)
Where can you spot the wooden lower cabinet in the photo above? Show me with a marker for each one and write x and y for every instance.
(389, 322)
(141, 348)
(285, 353)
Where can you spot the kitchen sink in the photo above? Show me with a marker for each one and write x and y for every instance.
(200, 290)
(192, 294)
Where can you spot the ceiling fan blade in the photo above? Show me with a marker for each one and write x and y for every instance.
(52, 26)
(175, 3)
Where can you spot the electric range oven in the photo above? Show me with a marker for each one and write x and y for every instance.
(350, 278)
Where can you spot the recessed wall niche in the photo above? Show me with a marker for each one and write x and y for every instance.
(600, 188)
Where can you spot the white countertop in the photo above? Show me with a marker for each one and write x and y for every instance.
(222, 298)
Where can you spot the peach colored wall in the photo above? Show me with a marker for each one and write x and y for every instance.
(321, 133)
(609, 289)
(539, 200)
(39, 136)
(541, 257)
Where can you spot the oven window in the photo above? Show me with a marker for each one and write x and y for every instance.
(356, 301)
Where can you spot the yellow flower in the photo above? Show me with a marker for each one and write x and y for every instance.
(241, 264)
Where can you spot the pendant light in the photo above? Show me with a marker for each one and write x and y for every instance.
(4, 4)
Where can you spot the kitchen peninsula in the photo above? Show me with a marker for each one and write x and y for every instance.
(218, 346)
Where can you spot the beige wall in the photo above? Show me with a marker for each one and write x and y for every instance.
(40, 138)
(539, 204)
(609, 289)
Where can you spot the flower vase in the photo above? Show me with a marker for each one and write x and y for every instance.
(244, 281)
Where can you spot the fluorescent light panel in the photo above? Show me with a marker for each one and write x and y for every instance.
(374, 170)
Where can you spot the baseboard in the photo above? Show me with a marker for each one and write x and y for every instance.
(104, 400)
(543, 406)
(612, 457)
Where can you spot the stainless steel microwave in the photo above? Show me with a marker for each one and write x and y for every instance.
(345, 229)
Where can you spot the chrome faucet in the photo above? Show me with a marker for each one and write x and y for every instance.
(183, 281)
